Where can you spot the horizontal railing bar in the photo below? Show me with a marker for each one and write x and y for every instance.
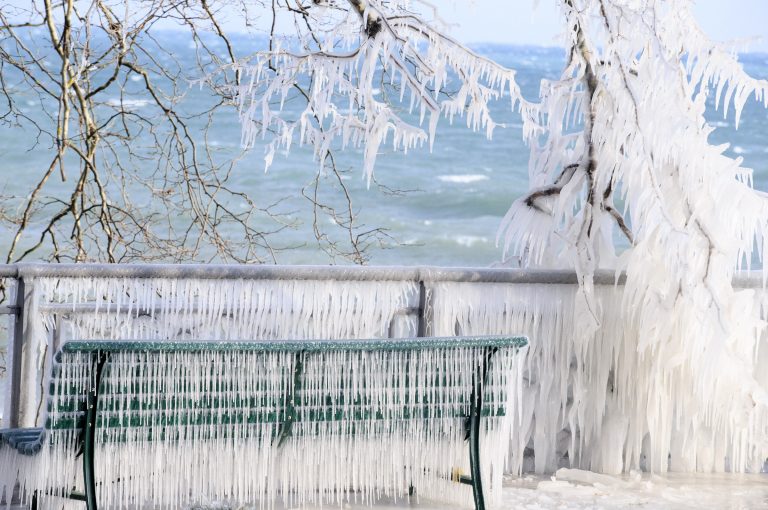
(520, 276)
(8, 271)
(218, 271)
(9, 310)
(91, 307)
(746, 279)
(275, 272)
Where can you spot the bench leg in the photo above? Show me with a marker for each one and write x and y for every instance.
(33, 506)
(474, 456)
(475, 414)
(89, 443)
(88, 474)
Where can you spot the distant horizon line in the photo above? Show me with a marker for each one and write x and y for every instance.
(470, 43)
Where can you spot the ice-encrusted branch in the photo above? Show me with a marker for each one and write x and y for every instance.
(629, 111)
(346, 62)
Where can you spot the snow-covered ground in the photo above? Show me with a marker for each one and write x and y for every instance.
(572, 489)
(576, 490)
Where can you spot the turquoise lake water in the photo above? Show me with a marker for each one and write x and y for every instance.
(455, 196)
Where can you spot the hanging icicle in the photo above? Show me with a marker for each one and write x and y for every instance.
(601, 402)
(225, 309)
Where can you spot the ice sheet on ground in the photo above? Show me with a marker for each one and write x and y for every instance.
(572, 489)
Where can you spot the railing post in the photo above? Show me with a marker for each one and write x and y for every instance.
(16, 344)
(422, 326)
(29, 343)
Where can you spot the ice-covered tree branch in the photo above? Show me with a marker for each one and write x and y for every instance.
(628, 114)
(340, 63)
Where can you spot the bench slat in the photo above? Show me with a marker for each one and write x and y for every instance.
(394, 344)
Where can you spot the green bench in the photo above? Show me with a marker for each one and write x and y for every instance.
(164, 423)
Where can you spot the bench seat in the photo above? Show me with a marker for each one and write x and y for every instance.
(171, 423)
(25, 441)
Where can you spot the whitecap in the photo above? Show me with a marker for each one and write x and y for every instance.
(738, 149)
(470, 241)
(128, 103)
(463, 178)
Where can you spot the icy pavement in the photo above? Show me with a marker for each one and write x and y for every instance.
(572, 489)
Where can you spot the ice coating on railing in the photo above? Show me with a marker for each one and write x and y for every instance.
(227, 309)
(593, 397)
(115, 308)
(178, 428)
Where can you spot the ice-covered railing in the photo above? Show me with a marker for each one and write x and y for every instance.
(594, 404)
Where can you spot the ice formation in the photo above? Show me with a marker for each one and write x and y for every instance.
(177, 428)
(157, 309)
(592, 401)
(660, 373)
(603, 402)
(625, 123)
(619, 149)
(339, 72)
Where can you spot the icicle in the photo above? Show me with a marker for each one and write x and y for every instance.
(587, 388)
(244, 310)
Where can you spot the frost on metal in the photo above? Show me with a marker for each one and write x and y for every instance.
(597, 399)
(225, 309)
(203, 309)
(177, 428)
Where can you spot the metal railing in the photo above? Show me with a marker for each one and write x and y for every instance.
(423, 276)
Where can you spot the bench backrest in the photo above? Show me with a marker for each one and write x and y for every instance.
(167, 388)
(319, 417)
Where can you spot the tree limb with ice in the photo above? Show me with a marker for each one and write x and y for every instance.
(622, 176)
(344, 60)
(628, 114)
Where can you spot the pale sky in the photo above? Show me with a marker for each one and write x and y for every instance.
(538, 22)
(516, 21)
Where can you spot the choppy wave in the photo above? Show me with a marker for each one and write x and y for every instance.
(469, 241)
(463, 178)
